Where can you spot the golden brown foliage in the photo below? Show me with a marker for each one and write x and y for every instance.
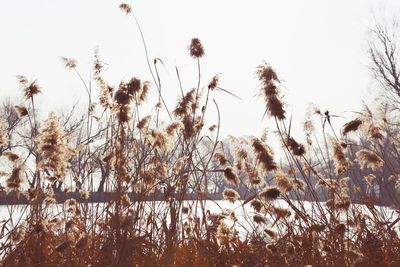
(148, 169)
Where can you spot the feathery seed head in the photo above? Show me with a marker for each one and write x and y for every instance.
(143, 123)
(374, 133)
(159, 139)
(230, 194)
(283, 182)
(270, 193)
(258, 218)
(256, 205)
(16, 178)
(298, 184)
(121, 96)
(351, 126)
(30, 88)
(231, 176)
(125, 8)
(369, 159)
(133, 86)
(21, 110)
(341, 163)
(266, 73)
(52, 148)
(142, 96)
(84, 194)
(212, 128)
(183, 107)
(174, 126)
(263, 154)
(11, 156)
(196, 49)
(296, 148)
(269, 81)
(69, 63)
(221, 158)
(213, 83)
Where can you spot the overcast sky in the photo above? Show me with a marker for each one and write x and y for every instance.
(317, 47)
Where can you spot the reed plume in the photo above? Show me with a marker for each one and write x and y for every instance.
(269, 81)
(369, 159)
(125, 8)
(231, 176)
(21, 110)
(53, 149)
(270, 193)
(17, 177)
(341, 163)
(263, 155)
(196, 49)
(351, 126)
(230, 194)
(69, 63)
(30, 89)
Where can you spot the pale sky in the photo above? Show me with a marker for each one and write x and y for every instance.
(317, 47)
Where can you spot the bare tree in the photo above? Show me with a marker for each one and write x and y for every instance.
(384, 55)
(11, 120)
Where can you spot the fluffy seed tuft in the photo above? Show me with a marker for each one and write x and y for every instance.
(369, 159)
(196, 49)
(351, 126)
(231, 176)
(270, 193)
(230, 194)
(263, 154)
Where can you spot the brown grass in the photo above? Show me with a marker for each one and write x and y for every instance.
(141, 161)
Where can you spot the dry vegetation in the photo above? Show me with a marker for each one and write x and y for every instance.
(138, 158)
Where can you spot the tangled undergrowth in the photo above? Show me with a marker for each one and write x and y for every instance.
(141, 158)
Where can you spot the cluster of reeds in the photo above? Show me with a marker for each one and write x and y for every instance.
(318, 206)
